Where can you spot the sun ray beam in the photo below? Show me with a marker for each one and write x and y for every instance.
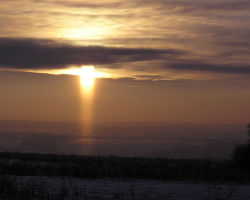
(87, 79)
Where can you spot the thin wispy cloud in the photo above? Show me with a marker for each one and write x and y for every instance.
(194, 36)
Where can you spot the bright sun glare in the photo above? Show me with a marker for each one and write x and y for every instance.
(87, 76)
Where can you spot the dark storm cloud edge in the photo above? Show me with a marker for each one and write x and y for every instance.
(42, 54)
(49, 54)
(242, 69)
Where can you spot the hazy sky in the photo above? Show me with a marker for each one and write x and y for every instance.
(162, 60)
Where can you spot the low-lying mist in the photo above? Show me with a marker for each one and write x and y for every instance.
(122, 139)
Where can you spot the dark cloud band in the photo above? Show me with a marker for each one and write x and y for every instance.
(211, 68)
(42, 54)
(48, 54)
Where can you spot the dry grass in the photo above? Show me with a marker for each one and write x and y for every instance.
(14, 164)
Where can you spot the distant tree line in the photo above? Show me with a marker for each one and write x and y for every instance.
(241, 152)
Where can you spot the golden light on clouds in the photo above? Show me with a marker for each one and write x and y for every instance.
(68, 71)
(85, 33)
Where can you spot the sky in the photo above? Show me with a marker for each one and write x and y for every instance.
(175, 61)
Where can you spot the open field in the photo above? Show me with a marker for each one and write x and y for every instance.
(38, 187)
(54, 176)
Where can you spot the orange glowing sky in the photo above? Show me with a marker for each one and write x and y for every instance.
(170, 61)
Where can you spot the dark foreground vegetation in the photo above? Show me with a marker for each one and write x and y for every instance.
(95, 167)
(17, 164)
(14, 165)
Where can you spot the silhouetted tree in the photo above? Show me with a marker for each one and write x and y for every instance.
(241, 152)
(248, 129)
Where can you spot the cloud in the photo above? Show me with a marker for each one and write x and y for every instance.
(150, 77)
(217, 68)
(183, 6)
(45, 54)
(49, 54)
(91, 4)
(230, 5)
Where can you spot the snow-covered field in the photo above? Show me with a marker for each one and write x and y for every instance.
(106, 189)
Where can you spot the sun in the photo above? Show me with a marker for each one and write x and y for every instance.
(87, 77)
